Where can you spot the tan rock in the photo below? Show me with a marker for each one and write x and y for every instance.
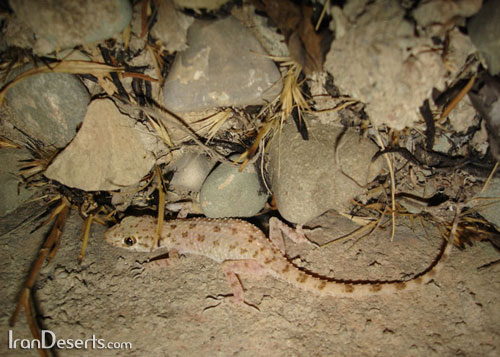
(381, 62)
(106, 154)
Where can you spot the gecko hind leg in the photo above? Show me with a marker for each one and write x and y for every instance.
(233, 268)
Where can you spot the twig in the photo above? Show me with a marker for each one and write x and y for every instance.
(430, 130)
(393, 183)
(48, 250)
(492, 173)
(458, 98)
(86, 230)
(161, 207)
(322, 15)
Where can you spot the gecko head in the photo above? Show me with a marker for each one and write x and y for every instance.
(133, 233)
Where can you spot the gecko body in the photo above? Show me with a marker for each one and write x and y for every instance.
(242, 248)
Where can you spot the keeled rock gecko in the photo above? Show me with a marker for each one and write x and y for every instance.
(242, 248)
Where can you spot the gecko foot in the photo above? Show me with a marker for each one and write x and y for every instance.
(138, 270)
(304, 232)
(182, 208)
(297, 235)
(222, 298)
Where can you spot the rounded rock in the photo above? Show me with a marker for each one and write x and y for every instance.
(65, 24)
(209, 75)
(306, 177)
(229, 193)
(48, 106)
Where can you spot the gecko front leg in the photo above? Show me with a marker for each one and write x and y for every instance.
(233, 268)
(155, 264)
(162, 261)
(144, 268)
(182, 208)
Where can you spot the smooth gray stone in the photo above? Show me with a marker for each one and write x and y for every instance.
(48, 106)
(229, 193)
(191, 170)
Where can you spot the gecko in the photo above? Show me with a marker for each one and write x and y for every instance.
(243, 249)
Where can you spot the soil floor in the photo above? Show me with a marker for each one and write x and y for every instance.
(164, 312)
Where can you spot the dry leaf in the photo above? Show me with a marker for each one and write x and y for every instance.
(284, 14)
(312, 41)
(307, 47)
(107, 84)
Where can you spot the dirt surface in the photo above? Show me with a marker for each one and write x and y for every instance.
(163, 312)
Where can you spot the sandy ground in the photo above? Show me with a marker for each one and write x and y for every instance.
(161, 313)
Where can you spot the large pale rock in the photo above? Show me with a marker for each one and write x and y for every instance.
(306, 178)
(381, 62)
(171, 27)
(224, 66)
(64, 24)
(106, 154)
(444, 11)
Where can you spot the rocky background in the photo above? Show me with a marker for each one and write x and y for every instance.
(372, 121)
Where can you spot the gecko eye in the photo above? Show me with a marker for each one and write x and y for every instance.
(129, 241)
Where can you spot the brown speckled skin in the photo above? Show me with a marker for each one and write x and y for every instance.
(243, 248)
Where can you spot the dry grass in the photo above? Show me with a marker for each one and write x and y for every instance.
(7, 143)
(42, 156)
(74, 67)
(279, 110)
